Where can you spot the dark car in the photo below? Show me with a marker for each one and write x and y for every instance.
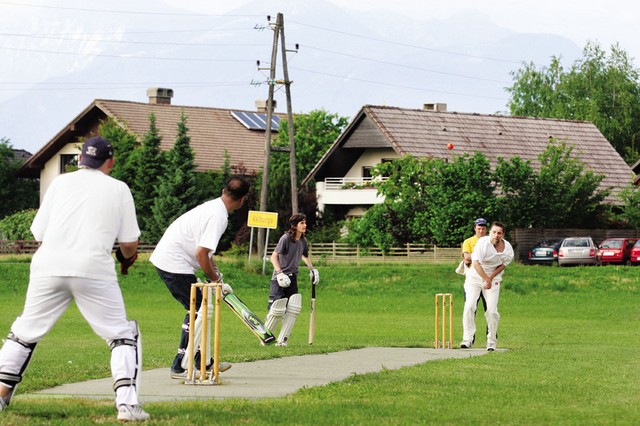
(545, 252)
(615, 250)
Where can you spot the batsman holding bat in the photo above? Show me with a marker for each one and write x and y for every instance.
(187, 245)
(285, 303)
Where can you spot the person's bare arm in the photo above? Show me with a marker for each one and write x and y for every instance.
(207, 264)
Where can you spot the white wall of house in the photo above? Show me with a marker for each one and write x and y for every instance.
(359, 198)
(371, 157)
(52, 167)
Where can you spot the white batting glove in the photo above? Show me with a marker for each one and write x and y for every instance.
(217, 271)
(283, 280)
(314, 275)
(226, 289)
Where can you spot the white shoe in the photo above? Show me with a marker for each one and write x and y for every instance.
(132, 413)
(224, 366)
(282, 343)
(466, 344)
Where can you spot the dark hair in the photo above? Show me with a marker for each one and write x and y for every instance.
(500, 225)
(293, 223)
(236, 187)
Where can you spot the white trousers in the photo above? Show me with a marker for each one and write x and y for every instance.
(472, 290)
(101, 304)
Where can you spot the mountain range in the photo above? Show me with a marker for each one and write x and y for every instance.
(59, 61)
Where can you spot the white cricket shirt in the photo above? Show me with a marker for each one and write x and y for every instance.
(201, 226)
(82, 214)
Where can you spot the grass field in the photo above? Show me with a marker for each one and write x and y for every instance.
(572, 334)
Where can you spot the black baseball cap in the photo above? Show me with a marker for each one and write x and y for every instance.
(95, 151)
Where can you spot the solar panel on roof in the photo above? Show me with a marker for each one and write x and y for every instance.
(256, 120)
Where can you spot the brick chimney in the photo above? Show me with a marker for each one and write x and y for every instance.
(435, 107)
(159, 95)
(261, 105)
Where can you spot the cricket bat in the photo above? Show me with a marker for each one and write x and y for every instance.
(312, 321)
(250, 319)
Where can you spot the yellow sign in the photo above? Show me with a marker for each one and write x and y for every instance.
(263, 219)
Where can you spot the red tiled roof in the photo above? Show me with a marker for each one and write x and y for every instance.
(212, 131)
(425, 133)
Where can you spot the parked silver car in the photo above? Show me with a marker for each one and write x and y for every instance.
(577, 251)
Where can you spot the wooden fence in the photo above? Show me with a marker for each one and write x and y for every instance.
(342, 252)
(30, 247)
(330, 252)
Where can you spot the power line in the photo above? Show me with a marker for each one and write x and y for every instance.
(406, 66)
(402, 86)
(130, 12)
(133, 42)
(413, 46)
(118, 86)
(105, 55)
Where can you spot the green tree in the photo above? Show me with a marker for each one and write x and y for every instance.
(516, 198)
(630, 209)
(148, 163)
(315, 132)
(177, 186)
(426, 200)
(598, 88)
(17, 226)
(16, 193)
(124, 144)
(567, 194)
(434, 201)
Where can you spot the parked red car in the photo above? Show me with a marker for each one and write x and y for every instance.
(634, 257)
(615, 250)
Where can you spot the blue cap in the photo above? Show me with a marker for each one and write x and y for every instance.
(95, 151)
(481, 222)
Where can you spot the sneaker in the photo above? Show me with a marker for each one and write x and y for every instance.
(465, 344)
(178, 373)
(132, 413)
(491, 348)
(182, 373)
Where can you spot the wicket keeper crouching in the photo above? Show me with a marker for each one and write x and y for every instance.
(285, 303)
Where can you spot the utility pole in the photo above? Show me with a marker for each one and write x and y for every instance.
(267, 139)
(292, 144)
(278, 32)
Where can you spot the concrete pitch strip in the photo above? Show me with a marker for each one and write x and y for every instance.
(273, 378)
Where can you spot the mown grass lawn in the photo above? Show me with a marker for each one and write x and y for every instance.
(572, 334)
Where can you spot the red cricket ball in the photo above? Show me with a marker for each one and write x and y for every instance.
(450, 146)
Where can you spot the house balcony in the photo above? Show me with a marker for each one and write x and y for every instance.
(348, 191)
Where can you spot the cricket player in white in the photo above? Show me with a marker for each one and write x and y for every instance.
(490, 257)
(82, 214)
(187, 245)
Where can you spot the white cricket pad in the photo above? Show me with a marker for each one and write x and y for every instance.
(138, 338)
(16, 356)
(276, 313)
(293, 309)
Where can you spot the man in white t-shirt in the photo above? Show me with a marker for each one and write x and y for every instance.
(187, 245)
(82, 214)
(490, 257)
